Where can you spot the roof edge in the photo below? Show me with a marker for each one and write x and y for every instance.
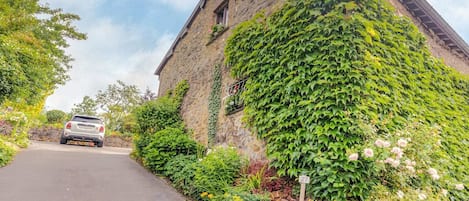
(452, 36)
(181, 34)
(436, 18)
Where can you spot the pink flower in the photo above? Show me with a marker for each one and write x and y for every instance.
(400, 194)
(402, 142)
(368, 153)
(395, 163)
(389, 160)
(410, 163)
(432, 171)
(410, 168)
(398, 152)
(422, 196)
(444, 192)
(459, 187)
(379, 143)
(353, 157)
(386, 144)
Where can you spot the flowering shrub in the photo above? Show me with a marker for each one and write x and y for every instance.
(408, 164)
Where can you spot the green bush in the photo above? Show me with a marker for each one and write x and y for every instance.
(165, 145)
(55, 116)
(217, 171)
(156, 115)
(6, 153)
(316, 69)
(180, 170)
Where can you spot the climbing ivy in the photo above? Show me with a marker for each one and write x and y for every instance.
(318, 68)
(214, 102)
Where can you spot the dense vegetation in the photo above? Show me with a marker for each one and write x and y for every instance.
(32, 63)
(348, 93)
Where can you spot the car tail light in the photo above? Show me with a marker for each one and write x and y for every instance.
(68, 126)
(101, 129)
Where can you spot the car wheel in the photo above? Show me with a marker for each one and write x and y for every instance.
(99, 143)
(63, 140)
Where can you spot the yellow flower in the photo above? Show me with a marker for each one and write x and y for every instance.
(237, 198)
(203, 194)
(210, 196)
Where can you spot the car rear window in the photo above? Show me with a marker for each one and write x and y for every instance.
(87, 119)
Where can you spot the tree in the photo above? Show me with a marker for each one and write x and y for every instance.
(117, 101)
(148, 95)
(32, 57)
(55, 116)
(88, 106)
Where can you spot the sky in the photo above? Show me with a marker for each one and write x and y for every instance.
(128, 38)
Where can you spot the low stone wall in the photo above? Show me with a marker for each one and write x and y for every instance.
(49, 134)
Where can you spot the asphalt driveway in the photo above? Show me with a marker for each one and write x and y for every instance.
(52, 172)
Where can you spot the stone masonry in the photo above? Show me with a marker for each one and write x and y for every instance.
(194, 59)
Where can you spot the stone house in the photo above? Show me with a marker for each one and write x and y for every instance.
(199, 48)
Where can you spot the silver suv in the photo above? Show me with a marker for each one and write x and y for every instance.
(84, 128)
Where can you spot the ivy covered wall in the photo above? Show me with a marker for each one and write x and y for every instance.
(329, 78)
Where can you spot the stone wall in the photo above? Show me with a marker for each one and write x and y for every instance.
(50, 134)
(194, 59)
(436, 46)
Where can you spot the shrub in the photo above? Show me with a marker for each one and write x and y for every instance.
(156, 115)
(217, 170)
(180, 170)
(6, 153)
(165, 145)
(55, 116)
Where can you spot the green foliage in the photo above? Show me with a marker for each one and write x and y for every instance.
(6, 153)
(214, 103)
(157, 115)
(318, 68)
(117, 101)
(216, 30)
(165, 145)
(18, 123)
(217, 170)
(181, 170)
(32, 42)
(237, 194)
(88, 106)
(179, 92)
(55, 116)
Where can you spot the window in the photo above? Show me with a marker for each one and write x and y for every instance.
(222, 14)
(234, 103)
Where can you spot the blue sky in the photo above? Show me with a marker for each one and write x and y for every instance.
(128, 38)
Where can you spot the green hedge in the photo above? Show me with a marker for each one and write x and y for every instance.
(319, 70)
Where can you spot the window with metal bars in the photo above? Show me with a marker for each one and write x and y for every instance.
(234, 102)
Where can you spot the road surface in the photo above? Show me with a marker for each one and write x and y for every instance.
(52, 172)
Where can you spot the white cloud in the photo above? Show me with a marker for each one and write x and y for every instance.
(113, 51)
(181, 5)
(455, 12)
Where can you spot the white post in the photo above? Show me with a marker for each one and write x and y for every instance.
(303, 181)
